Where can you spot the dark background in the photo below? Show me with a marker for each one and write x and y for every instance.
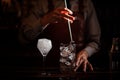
(11, 52)
(108, 16)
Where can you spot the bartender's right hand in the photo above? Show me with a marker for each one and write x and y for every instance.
(58, 15)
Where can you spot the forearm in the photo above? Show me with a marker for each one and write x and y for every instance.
(30, 28)
(93, 31)
(92, 48)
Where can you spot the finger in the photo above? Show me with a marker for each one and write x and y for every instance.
(68, 16)
(68, 10)
(78, 61)
(78, 64)
(76, 68)
(85, 66)
(65, 14)
(65, 11)
(68, 19)
(90, 66)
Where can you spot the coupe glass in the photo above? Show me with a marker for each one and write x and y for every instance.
(44, 46)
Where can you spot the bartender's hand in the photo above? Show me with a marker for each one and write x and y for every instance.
(82, 61)
(58, 15)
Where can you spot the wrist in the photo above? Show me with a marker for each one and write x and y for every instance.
(85, 53)
(44, 22)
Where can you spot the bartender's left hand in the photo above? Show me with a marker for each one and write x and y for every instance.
(82, 60)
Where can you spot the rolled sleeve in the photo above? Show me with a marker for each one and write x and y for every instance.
(90, 50)
(94, 31)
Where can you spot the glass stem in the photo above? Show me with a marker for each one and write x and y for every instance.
(44, 59)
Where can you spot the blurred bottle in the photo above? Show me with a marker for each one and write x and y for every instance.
(115, 55)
